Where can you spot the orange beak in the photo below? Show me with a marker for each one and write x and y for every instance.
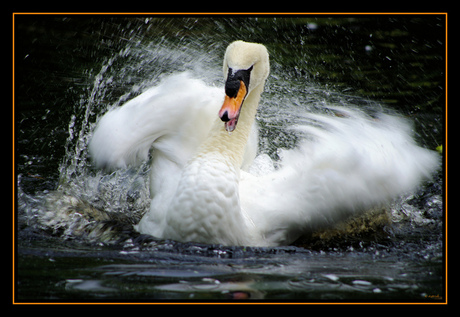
(230, 110)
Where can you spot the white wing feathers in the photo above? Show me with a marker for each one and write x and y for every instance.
(341, 172)
(345, 165)
(177, 114)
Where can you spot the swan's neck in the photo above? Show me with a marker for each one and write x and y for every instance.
(206, 206)
(232, 145)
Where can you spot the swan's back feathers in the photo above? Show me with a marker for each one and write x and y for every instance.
(351, 164)
(177, 115)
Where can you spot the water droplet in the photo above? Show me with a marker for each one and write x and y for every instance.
(361, 283)
(332, 277)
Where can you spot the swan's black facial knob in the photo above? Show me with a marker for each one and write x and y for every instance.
(232, 85)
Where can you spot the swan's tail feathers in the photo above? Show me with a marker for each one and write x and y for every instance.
(348, 164)
(163, 116)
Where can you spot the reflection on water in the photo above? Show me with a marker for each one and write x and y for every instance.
(177, 271)
(78, 243)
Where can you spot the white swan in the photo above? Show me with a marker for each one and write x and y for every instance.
(202, 138)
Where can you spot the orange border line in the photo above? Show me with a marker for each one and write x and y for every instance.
(230, 13)
(14, 169)
(445, 149)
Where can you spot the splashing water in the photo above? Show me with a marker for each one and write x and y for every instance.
(86, 196)
(100, 207)
(123, 194)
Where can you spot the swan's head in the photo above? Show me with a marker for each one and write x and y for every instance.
(246, 66)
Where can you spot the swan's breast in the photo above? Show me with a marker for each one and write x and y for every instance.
(206, 205)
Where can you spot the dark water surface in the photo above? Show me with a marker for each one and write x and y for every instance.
(70, 69)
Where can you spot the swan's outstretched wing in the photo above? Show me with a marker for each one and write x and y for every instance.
(176, 115)
(353, 162)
